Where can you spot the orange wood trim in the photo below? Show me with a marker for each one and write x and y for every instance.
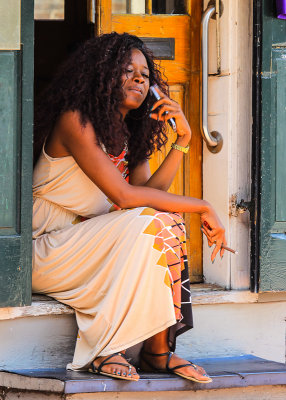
(148, 6)
(195, 161)
(103, 16)
(177, 26)
(189, 4)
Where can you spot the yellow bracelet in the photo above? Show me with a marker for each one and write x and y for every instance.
(180, 148)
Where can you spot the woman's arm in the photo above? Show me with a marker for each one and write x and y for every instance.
(165, 174)
(80, 142)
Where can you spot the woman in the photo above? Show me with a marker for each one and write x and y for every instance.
(107, 237)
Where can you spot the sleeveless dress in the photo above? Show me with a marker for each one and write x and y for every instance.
(125, 272)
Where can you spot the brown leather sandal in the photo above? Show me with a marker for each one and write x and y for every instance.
(148, 367)
(98, 370)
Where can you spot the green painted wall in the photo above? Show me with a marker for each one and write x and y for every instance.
(273, 157)
(16, 133)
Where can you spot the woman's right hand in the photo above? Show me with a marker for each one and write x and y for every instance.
(214, 231)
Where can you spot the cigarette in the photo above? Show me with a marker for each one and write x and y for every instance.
(229, 249)
(222, 246)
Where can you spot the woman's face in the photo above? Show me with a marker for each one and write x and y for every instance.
(135, 83)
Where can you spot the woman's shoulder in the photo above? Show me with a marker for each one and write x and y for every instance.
(69, 129)
(69, 119)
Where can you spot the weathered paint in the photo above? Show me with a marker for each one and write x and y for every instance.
(37, 342)
(9, 132)
(281, 138)
(16, 243)
(227, 174)
(37, 309)
(273, 161)
(10, 24)
(45, 337)
(246, 393)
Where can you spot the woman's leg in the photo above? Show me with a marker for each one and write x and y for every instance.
(159, 344)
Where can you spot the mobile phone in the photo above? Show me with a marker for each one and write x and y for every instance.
(171, 121)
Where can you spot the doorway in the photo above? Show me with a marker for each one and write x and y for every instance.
(60, 26)
(171, 28)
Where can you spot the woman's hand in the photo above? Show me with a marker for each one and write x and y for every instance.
(214, 231)
(174, 111)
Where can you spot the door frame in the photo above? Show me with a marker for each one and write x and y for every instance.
(16, 247)
(255, 209)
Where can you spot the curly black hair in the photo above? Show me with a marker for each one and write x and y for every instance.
(90, 82)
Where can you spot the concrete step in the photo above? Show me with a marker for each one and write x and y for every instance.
(245, 377)
(227, 323)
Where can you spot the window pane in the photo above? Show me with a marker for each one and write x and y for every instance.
(49, 9)
(128, 6)
(168, 7)
(118, 6)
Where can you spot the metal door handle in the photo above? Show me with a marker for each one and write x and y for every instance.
(213, 139)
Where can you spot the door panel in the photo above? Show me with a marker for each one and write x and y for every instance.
(273, 161)
(9, 149)
(281, 138)
(183, 73)
(16, 135)
(175, 26)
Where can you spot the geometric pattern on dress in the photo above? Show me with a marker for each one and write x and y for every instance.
(121, 164)
(170, 239)
(169, 234)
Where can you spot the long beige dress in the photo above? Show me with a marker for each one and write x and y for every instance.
(123, 271)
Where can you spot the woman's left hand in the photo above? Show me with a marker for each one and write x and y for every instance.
(165, 104)
(214, 231)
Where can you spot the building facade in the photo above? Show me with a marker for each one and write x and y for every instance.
(239, 301)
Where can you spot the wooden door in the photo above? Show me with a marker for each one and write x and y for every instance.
(16, 138)
(171, 28)
(273, 161)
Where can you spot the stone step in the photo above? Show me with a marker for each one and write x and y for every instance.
(43, 335)
(255, 378)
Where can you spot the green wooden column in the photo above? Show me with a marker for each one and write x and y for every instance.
(16, 160)
(273, 156)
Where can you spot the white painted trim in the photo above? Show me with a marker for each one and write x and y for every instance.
(204, 295)
(235, 297)
(230, 113)
(20, 382)
(224, 297)
(37, 309)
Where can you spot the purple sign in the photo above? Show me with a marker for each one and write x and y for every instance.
(281, 9)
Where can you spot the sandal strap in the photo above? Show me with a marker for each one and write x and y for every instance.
(172, 369)
(180, 366)
(169, 354)
(104, 362)
(112, 363)
(157, 354)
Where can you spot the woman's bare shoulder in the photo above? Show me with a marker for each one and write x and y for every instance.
(69, 128)
(70, 123)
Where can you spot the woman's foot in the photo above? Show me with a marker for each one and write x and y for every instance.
(115, 365)
(160, 362)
